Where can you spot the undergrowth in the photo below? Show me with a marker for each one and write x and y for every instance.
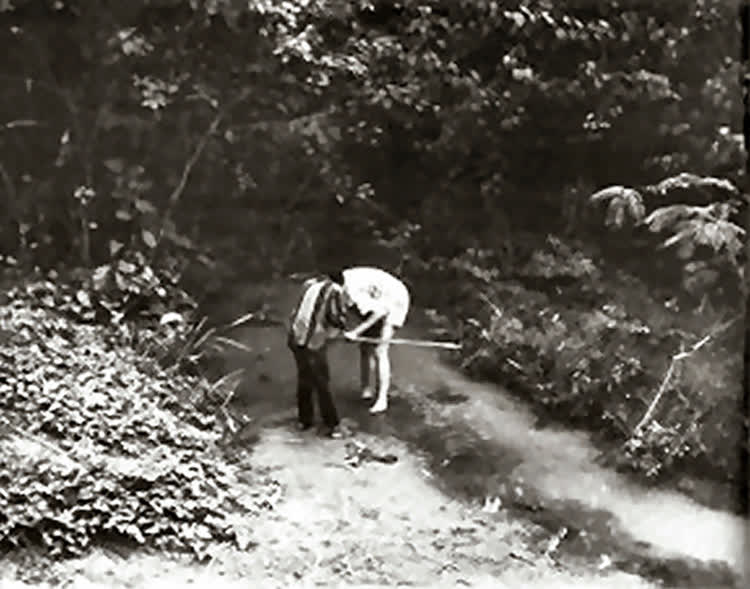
(594, 349)
(101, 442)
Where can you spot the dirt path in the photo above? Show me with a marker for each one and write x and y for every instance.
(387, 525)
(371, 525)
(560, 466)
(478, 442)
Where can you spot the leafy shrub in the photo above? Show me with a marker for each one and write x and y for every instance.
(705, 237)
(598, 361)
(184, 503)
(118, 451)
(560, 259)
(129, 287)
(144, 302)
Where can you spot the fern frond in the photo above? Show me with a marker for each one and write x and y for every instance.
(686, 180)
(663, 217)
(611, 192)
(623, 202)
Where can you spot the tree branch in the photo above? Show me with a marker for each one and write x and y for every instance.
(681, 355)
(187, 169)
(659, 394)
(10, 187)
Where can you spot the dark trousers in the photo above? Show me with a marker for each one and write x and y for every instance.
(313, 377)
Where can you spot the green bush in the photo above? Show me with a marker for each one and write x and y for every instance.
(99, 443)
(600, 365)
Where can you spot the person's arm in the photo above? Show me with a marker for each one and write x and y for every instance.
(365, 325)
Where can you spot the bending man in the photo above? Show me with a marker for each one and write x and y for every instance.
(382, 301)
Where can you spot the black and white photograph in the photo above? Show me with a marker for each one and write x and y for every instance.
(374, 293)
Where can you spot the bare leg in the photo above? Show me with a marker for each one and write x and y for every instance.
(383, 362)
(366, 368)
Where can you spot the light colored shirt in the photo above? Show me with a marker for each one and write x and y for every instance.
(373, 290)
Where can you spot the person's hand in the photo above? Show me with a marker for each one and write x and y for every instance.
(348, 335)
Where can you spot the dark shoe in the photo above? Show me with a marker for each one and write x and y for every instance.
(303, 426)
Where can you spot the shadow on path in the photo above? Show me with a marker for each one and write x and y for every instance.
(478, 442)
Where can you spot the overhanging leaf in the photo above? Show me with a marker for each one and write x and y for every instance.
(687, 180)
(663, 217)
(623, 202)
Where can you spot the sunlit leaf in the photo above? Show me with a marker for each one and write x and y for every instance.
(663, 217)
(148, 238)
(115, 247)
(83, 298)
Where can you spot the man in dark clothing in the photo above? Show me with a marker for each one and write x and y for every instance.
(320, 315)
(313, 377)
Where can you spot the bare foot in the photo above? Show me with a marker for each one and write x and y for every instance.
(379, 406)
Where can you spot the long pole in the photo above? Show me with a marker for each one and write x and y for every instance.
(405, 342)
(259, 321)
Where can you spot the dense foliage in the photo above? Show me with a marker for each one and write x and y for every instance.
(101, 444)
(299, 104)
(598, 349)
(528, 147)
